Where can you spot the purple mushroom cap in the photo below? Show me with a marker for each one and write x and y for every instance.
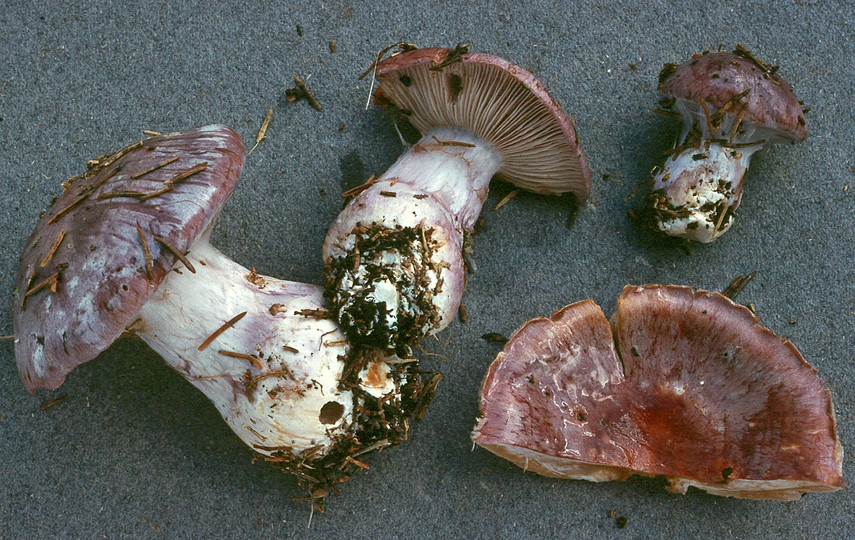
(720, 78)
(108, 241)
(683, 384)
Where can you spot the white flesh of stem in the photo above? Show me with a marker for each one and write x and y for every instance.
(278, 411)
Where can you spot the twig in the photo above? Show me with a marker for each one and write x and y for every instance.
(360, 188)
(736, 286)
(307, 93)
(426, 396)
(350, 460)
(721, 219)
(53, 249)
(109, 160)
(401, 360)
(456, 55)
(745, 144)
(149, 267)
(67, 209)
(494, 337)
(104, 195)
(228, 324)
(184, 175)
(736, 126)
(51, 402)
(48, 283)
(172, 249)
(382, 443)
(316, 313)
(423, 351)
(453, 143)
(243, 356)
(159, 192)
(507, 198)
(263, 131)
(250, 387)
(163, 163)
(402, 45)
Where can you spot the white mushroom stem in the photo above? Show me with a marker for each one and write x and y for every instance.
(696, 193)
(273, 375)
(391, 296)
(454, 166)
(698, 190)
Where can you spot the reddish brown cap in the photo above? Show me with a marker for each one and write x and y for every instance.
(696, 391)
(720, 78)
(499, 102)
(106, 243)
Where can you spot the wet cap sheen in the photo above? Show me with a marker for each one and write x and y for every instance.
(84, 273)
(719, 77)
(499, 102)
(696, 391)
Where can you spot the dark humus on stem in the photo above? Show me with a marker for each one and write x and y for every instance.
(382, 290)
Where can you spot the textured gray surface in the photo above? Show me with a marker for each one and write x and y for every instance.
(134, 451)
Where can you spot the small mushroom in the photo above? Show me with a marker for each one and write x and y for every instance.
(125, 250)
(683, 384)
(393, 257)
(731, 105)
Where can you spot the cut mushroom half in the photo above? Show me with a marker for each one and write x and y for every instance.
(731, 105)
(682, 384)
(125, 250)
(393, 257)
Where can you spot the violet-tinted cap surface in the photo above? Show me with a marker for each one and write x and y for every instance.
(695, 391)
(499, 102)
(719, 77)
(84, 273)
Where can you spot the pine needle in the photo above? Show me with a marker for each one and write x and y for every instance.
(402, 46)
(263, 131)
(507, 198)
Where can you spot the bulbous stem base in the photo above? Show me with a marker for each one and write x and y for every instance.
(697, 192)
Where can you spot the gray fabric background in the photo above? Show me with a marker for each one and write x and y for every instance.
(136, 452)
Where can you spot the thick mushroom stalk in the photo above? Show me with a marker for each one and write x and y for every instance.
(393, 257)
(399, 275)
(731, 105)
(125, 250)
(275, 365)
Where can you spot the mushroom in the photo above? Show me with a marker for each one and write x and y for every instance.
(683, 384)
(125, 251)
(731, 105)
(393, 257)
